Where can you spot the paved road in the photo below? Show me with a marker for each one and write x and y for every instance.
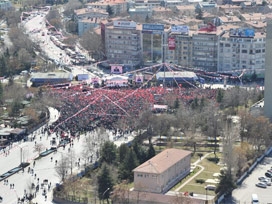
(243, 193)
(44, 168)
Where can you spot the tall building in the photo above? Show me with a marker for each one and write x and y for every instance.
(179, 46)
(242, 49)
(205, 48)
(122, 43)
(268, 72)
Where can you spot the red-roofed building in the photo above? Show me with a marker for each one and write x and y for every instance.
(163, 171)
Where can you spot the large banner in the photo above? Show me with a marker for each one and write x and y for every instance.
(171, 43)
(116, 69)
(139, 79)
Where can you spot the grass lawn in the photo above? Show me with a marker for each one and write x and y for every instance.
(209, 169)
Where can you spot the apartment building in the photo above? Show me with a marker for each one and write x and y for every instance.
(205, 48)
(87, 13)
(117, 6)
(242, 49)
(122, 42)
(180, 46)
(163, 171)
(5, 5)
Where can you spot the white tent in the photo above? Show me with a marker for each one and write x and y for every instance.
(116, 80)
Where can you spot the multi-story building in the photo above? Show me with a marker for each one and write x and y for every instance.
(179, 46)
(163, 171)
(242, 49)
(122, 42)
(117, 6)
(87, 13)
(87, 24)
(5, 5)
(205, 47)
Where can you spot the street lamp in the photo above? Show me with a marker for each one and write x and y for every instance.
(104, 193)
(206, 195)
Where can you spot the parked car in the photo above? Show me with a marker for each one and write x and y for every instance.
(261, 185)
(269, 170)
(267, 174)
(262, 178)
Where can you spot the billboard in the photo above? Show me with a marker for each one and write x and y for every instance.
(139, 78)
(124, 24)
(242, 32)
(180, 29)
(116, 69)
(158, 27)
(171, 43)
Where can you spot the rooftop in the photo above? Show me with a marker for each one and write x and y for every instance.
(162, 161)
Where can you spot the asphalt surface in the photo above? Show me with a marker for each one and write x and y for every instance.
(243, 193)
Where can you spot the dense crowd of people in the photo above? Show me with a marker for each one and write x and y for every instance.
(85, 110)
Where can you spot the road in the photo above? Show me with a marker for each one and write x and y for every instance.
(35, 27)
(243, 193)
(44, 168)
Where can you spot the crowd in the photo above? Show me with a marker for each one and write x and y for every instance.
(85, 110)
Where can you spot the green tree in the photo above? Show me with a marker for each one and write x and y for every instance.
(130, 162)
(109, 10)
(122, 152)
(1, 93)
(199, 14)
(139, 152)
(108, 152)
(151, 151)
(219, 95)
(226, 183)
(105, 183)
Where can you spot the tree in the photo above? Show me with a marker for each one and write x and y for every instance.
(62, 168)
(92, 42)
(108, 152)
(39, 147)
(105, 183)
(71, 6)
(122, 152)
(109, 10)
(226, 183)
(1, 93)
(151, 152)
(130, 162)
(199, 14)
(54, 18)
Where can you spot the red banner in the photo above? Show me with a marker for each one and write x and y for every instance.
(171, 44)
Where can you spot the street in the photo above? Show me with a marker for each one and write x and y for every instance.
(243, 193)
(44, 168)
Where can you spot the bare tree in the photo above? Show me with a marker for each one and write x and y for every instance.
(71, 6)
(92, 42)
(62, 168)
(39, 147)
(54, 18)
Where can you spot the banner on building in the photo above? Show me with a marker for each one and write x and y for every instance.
(180, 29)
(116, 69)
(171, 44)
(139, 79)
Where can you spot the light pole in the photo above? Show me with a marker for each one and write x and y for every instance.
(104, 194)
(206, 195)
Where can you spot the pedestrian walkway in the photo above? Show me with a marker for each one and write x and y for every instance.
(196, 164)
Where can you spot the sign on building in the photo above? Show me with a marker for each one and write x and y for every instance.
(242, 32)
(180, 29)
(124, 24)
(153, 27)
(116, 69)
(171, 43)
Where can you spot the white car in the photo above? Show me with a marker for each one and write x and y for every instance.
(261, 185)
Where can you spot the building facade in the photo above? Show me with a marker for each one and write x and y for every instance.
(242, 49)
(179, 46)
(163, 171)
(205, 47)
(122, 43)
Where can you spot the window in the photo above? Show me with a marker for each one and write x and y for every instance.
(244, 51)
